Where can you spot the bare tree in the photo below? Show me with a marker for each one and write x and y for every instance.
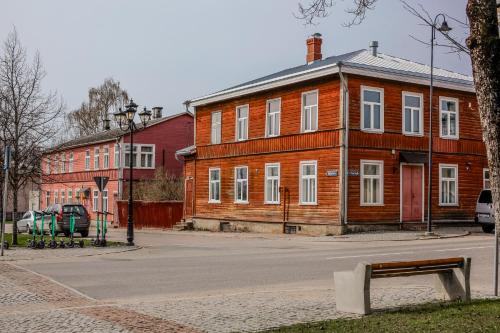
(27, 115)
(483, 46)
(105, 99)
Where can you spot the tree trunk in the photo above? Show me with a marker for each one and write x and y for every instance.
(484, 45)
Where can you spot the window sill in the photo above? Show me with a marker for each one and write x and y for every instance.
(241, 202)
(308, 131)
(308, 203)
(371, 205)
(214, 202)
(413, 134)
(372, 131)
(448, 205)
(449, 137)
(271, 203)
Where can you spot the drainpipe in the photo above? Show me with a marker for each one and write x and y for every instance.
(344, 145)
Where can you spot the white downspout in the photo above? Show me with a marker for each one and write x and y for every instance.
(345, 144)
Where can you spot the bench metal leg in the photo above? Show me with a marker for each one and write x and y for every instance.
(455, 285)
(352, 289)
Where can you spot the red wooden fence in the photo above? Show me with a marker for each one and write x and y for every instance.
(162, 214)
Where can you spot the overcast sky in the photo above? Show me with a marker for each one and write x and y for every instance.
(164, 52)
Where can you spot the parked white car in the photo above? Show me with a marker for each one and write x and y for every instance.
(26, 223)
(484, 211)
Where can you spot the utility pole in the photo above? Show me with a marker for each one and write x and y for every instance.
(6, 165)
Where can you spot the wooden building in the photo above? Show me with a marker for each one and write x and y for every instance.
(336, 142)
(68, 170)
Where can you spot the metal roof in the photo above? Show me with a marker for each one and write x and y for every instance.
(110, 135)
(360, 62)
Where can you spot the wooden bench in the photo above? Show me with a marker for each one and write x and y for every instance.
(352, 288)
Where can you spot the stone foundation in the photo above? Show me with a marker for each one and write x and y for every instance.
(204, 224)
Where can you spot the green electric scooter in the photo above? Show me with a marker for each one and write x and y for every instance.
(97, 241)
(104, 229)
(41, 243)
(71, 243)
(53, 242)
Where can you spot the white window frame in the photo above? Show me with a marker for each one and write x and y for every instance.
(244, 120)
(47, 198)
(272, 178)
(71, 162)
(97, 162)
(117, 156)
(70, 196)
(140, 153)
(486, 170)
(133, 155)
(63, 162)
(47, 166)
(87, 159)
(271, 118)
(56, 197)
(237, 181)
(215, 128)
(210, 181)
(95, 200)
(105, 200)
(448, 166)
(105, 159)
(63, 197)
(303, 110)
(412, 110)
(362, 176)
(302, 177)
(362, 104)
(457, 118)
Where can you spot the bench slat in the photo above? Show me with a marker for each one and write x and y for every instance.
(433, 271)
(417, 263)
(413, 269)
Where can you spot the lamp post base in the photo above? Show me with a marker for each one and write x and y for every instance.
(130, 243)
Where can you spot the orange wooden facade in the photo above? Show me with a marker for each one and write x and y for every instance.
(325, 146)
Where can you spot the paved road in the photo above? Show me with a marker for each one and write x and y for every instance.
(225, 282)
(187, 263)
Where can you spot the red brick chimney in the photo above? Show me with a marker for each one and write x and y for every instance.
(314, 48)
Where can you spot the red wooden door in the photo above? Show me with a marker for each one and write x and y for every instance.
(411, 195)
(188, 199)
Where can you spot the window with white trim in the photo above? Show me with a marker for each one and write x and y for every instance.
(216, 128)
(63, 197)
(63, 163)
(77, 195)
(486, 179)
(128, 156)
(372, 182)
(47, 199)
(308, 182)
(95, 201)
(117, 156)
(105, 200)
(87, 159)
(309, 111)
(448, 111)
(47, 166)
(242, 123)
(273, 115)
(147, 156)
(272, 185)
(412, 114)
(214, 185)
(70, 196)
(105, 157)
(372, 109)
(241, 184)
(96, 158)
(71, 161)
(448, 184)
(56, 197)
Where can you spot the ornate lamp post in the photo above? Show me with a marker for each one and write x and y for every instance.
(443, 28)
(125, 120)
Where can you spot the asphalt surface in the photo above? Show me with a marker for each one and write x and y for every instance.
(189, 264)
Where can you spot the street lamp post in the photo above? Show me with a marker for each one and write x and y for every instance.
(443, 28)
(125, 120)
